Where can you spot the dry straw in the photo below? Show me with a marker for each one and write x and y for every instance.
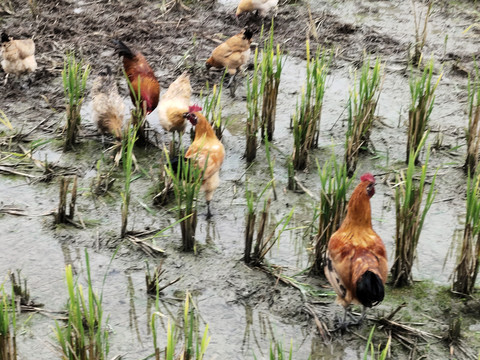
(420, 34)
(473, 129)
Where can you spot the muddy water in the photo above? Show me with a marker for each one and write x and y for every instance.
(245, 308)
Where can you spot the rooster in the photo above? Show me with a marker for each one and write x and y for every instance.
(232, 54)
(356, 259)
(108, 106)
(137, 69)
(174, 104)
(207, 152)
(18, 56)
(261, 6)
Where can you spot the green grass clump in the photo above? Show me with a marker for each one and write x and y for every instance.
(262, 92)
(362, 104)
(422, 92)
(271, 74)
(74, 76)
(473, 129)
(253, 111)
(212, 108)
(271, 165)
(187, 180)
(306, 120)
(332, 208)
(409, 195)
(278, 353)
(8, 323)
(84, 337)
(128, 141)
(194, 345)
(382, 354)
(466, 271)
(264, 241)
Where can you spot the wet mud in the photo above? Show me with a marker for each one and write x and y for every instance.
(246, 308)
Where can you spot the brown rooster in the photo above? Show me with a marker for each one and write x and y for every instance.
(356, 259)
(137, 69)
(207, 152)
(108, 106)
(18, 56)
(232, 54)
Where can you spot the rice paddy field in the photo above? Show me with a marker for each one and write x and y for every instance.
(250, 310)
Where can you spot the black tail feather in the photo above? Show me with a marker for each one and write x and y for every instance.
(370, 289)
(5, 37)
(123, 50)
(248, 34)
(177, 165)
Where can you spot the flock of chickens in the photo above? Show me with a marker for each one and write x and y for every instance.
(356, 261)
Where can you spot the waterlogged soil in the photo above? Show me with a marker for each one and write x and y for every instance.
(246, 309)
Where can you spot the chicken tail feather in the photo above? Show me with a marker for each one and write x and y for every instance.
(123, 50)
(370, 289)
(5, 37)
(177, 165)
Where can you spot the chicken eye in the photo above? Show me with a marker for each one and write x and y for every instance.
(370, 190)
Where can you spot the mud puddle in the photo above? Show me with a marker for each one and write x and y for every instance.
(245, 308)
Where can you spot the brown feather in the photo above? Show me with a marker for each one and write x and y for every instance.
(207, 149)
(18, 56)
(232, 54)
(138, 70)
(355, 248)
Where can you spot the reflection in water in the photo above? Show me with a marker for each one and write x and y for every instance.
(68, 259)
(257, 332)
(170, 308)
(211, 233)
(132, 314)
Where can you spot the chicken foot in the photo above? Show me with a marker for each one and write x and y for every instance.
(209, 213)
(343, 324)
(232, 81)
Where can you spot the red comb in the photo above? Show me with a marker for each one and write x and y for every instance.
(194, 108)
(367, 177)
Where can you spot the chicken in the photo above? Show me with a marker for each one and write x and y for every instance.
(232, 54)
(356, 259)
(262, 6)
(137, 69)
(18, 56)
(174, 104)
(108, 107)
(207, 152)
